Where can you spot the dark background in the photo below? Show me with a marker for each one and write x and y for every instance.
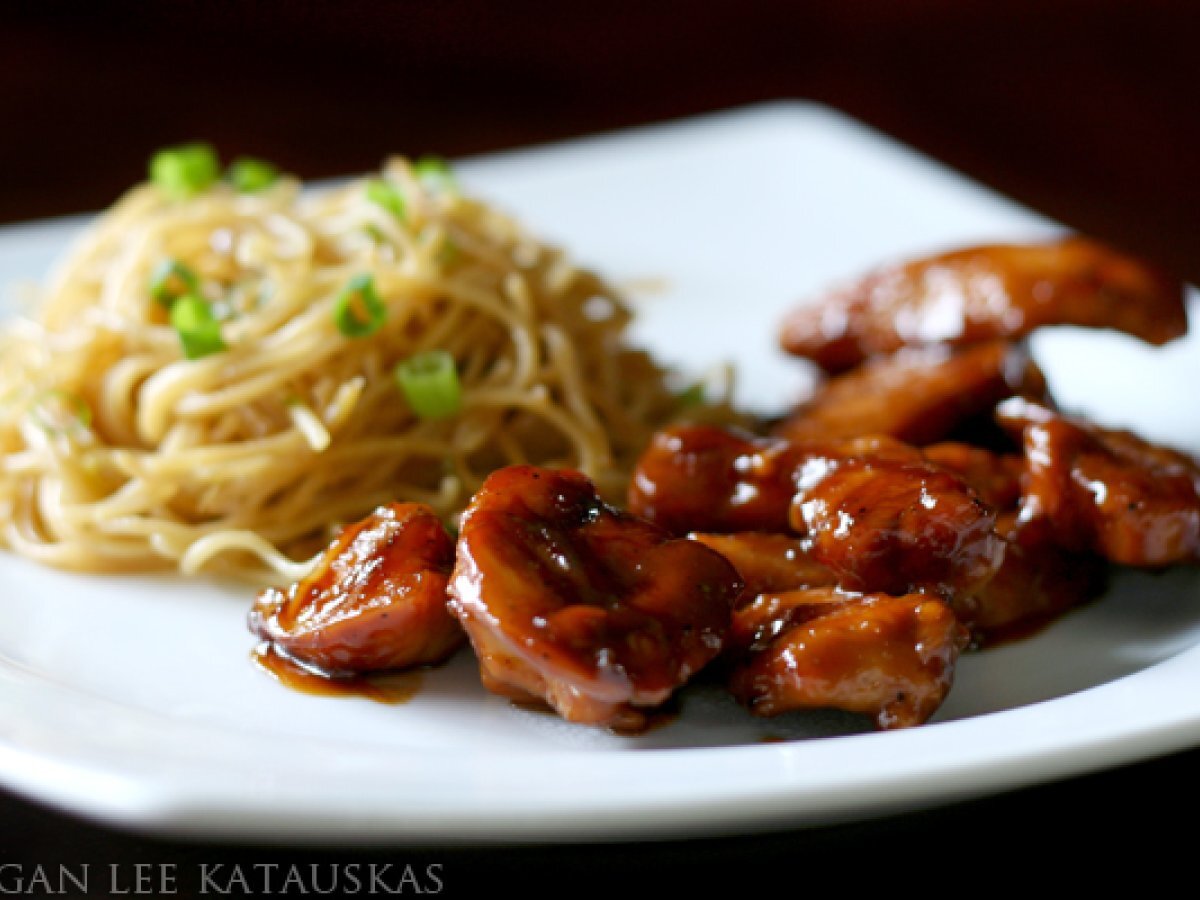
(1084, 109)
(1087, 111)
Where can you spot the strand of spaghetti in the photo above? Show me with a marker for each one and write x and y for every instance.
(115, 406)
(203, 549)
(131, 498)
(240, 461)
(566, 364)
(520, 331)
(538, 402)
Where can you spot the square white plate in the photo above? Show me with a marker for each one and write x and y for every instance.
(134, 700)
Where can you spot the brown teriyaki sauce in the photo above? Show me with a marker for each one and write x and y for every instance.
(383, 687)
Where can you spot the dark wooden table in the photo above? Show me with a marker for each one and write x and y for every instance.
(1087, 111)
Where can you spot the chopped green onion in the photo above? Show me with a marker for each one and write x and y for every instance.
(185, 170)
(358, 311)
(170, 280)
(429, 382)
(248, 175)
(58, 412)
(691, 397)
(385, 194)
(435, 172)
(198, 329)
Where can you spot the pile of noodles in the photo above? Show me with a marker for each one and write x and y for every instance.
(118, 453)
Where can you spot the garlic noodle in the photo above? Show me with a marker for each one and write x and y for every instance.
(210, 381)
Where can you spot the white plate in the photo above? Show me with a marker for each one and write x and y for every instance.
(134, 701)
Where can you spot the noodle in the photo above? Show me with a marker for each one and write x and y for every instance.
(118, 453)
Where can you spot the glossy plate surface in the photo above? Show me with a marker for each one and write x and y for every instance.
(134, 700)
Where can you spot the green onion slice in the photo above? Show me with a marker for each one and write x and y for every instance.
(185, 170)
(248, 174)
(386, 195)
(691, 397)
(435, 172)
(198, 329)
(429, 382)
(358, 310)
(170, 280)
(59, 412)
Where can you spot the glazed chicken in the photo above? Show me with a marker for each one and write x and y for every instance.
(706, 478)
(831, 519)
(917, 395)
(572, 603)
(870, 515)
(874, 511)
(375, 600)
(799, 642)
(1038, 580)
(891, 658)
(896, 526)
(1104, 491)
(994, 477)
(1031, 586)
(980, 293)
(769, 563)
(1036, 583)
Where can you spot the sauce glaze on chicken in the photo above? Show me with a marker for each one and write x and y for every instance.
(1105, 491)
(918, 395)
(978, 293)
(375, 600)
(891, 658)
(588, 609)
